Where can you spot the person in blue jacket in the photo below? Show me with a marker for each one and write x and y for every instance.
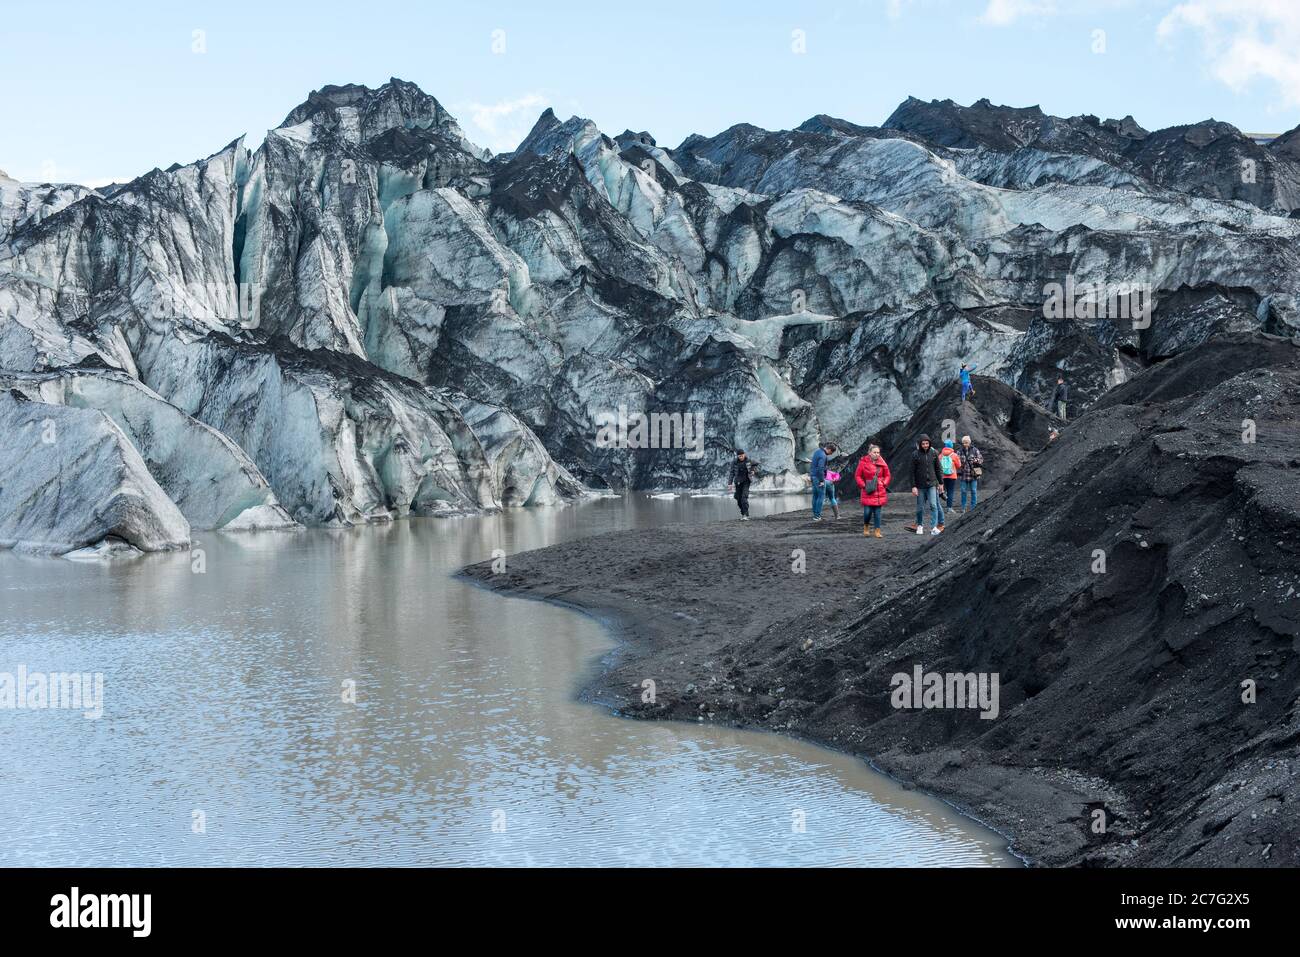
(817, 473)
(966, 387)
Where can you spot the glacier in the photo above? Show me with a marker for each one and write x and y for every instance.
(369, 317)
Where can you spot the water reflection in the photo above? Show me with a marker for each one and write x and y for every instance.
(224, 706)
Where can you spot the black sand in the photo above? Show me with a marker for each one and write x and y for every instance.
(1120, 690)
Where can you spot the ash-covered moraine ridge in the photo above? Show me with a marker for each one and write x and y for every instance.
(368, 316)
(1134, 587)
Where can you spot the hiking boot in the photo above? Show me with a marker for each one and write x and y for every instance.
(876, 534)
(836, 509)
(920, 530)
(866, 530)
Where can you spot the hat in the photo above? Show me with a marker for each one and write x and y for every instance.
(947, 443)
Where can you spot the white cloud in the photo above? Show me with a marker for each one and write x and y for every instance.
(1001, 13)
(501, 126)
(1005, 13)
(1244, 41)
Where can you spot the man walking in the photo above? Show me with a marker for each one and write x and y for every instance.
(926, 480)
(741, 474)
(1061, 397)
(972, 467)
(817, 472)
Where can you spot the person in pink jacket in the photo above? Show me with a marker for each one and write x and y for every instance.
(872, 477)
(832, 497)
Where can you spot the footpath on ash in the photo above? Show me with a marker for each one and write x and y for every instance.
(1135, 586)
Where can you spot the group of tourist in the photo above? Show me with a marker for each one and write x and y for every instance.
(938, 476)
(944, 481)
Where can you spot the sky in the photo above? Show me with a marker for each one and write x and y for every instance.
(99, 92)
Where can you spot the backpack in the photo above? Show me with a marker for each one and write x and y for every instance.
(946, 466)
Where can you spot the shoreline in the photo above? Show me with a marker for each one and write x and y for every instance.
(592, 688)
(1115, 735)
(643, 636)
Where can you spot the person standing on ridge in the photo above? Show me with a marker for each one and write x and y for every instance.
(949, 468)
(873, 478)
(972, 467)
(926, 480)
(966, 387)
(1061, 397)
(741, 474)
(817, 473)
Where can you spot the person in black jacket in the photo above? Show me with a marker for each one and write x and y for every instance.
(1061, 397)
(926, 482)
(741, 475)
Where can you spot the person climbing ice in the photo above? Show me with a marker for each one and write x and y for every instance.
(966, 387)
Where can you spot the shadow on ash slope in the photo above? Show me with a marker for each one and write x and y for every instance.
(1138, 672)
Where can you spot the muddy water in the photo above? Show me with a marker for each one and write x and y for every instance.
(225, 737)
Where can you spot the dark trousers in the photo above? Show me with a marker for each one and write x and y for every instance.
(819, 496)
(742, 497)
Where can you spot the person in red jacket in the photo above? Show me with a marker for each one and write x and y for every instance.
(872, 477)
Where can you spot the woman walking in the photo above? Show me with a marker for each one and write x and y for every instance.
(872, 477)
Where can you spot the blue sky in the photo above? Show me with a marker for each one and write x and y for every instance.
(98, 92)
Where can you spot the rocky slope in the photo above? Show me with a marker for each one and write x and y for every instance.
(386, 319)
(1003, 424)
(1136, 588)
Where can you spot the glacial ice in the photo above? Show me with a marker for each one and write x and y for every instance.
(207, 476)
(71, 480)
(438, 330)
